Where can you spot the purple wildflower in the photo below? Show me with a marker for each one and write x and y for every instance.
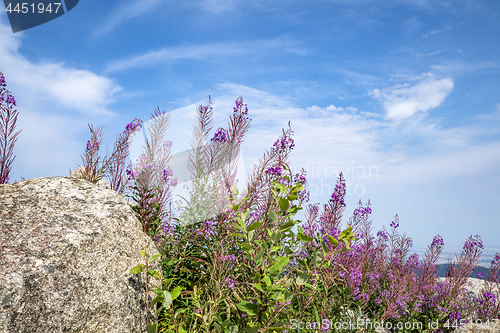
(284, 143)
(496, 260)
(11, 100)
(230, 283)
(395, 223)
(437, 241)
(382, 235)
(134, 126)
(361, 211)
(220, 135)
(472, 243)
(231, 257)
(340, 191)
(413, 261)
(274, 171)
(455, 317)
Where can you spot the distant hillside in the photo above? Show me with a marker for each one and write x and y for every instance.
(442, 268)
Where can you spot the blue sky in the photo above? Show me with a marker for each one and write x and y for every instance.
(406, 89)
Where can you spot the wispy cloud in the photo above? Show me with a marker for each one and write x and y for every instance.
(403, 101)
(207, 51)
(127, 10)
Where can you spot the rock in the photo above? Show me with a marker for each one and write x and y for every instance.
(490, 327)
(78, 173)
(66, 248)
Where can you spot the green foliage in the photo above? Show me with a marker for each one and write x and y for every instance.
(267, 273)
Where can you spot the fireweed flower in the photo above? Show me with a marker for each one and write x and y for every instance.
(496, 260)
(339, 192)
(472, 243)
(413, 262)
(284, 143)
(167, 228)
(167, 173)
(220, 135)
(395, 223)
(230, 283)
(11, 100)
(437, 241)
(382, 235)
(305, 195)
(231, 257)
(274, 171)
(361, 211)
(134, 126)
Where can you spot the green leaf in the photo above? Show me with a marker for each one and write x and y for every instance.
(275, 248)
(249, 308)
(332, 240)
(266, 280)
(245, 214)
(274, 288)
(247, 246)
(292, 197)
(176, 292)
(236, 207)
(345, 233)
(143, 254)
(233, 329)
(153, 258)
(137, 269)
(284, 204)
(323, 246)
(156, 300)
(258, 257)
(304, 238)
(281, 188)
(276, 237)
(254, 226)
(167, 300)
(258, 286)
(302, 278)
(151, 328)
(297, 188)
(288, 296)
(226, 323)
(278, 266)
(250, 235)
(287, 226)
(273, 216)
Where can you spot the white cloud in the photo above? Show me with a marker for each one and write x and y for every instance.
(403, 101)
(207, 51)
(126, 11)
(54, 83)
(54, 101)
